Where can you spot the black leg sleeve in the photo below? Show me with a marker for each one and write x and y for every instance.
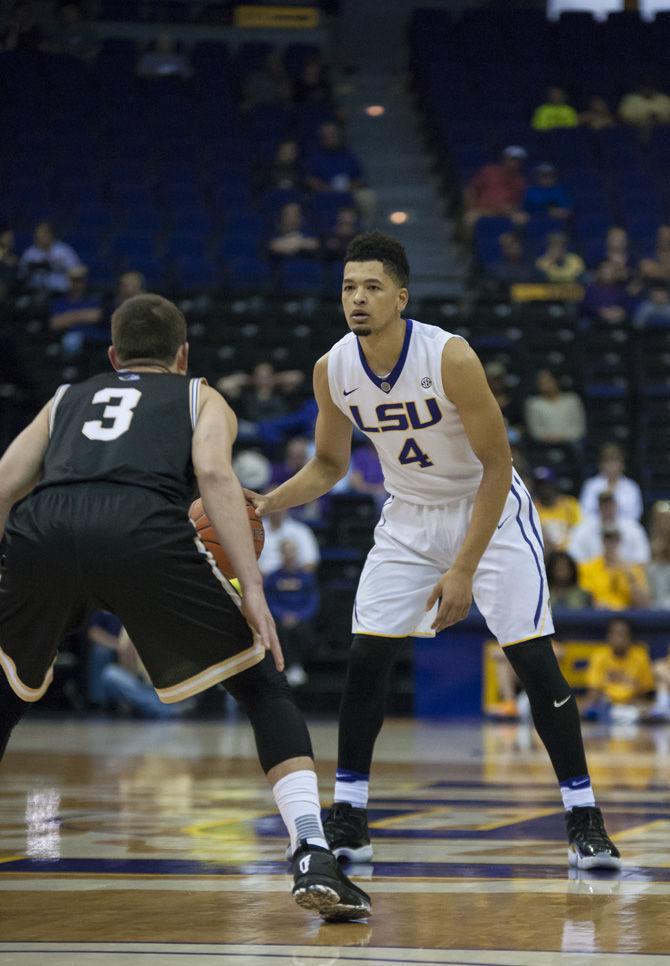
(12, 710)
(279, 727)
(364, 699)
(552, 704)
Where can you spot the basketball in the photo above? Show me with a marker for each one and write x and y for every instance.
(206, 533)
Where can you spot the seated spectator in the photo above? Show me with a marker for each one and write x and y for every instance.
(78, 315)
(644, 108)
(555, 112)
(514, 267)
(586, 540)
(654, 311)
(256, 396)
(365, 474)
(497, 189)
(597, 115)
(558, 265)
(660, 711)
(72, 35)
(613, 584)
(269, 84)
(334, 243)
(545, 196)
(610, 476)
(45, 264)
(657, 269)
(8, 260)
(659, 568)
(618, 252)
(22, 32)
(605, 299)
(293, 598)
(333, 167)
(559, 513)
(312, 85)
(164, 60)
(291, 239)
(562, 579)
(500, 384)
(554, 416)
(297, 453)
(285, 173)
(619, 675)
(129, 285)
(279, 528)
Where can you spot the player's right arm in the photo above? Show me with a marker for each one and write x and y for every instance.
(222, 498)
(330, 462)
(21, 463)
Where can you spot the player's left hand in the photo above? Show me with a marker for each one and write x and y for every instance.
(455, 591)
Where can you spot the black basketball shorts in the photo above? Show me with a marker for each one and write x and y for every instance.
(130, 551)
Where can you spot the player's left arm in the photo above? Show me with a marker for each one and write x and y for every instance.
(465, 384)
(21, 463)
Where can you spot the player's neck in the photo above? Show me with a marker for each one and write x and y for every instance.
(382, 349)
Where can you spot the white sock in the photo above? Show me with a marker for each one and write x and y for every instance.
(577, 791)
(662, 697)
(297, 798)
(352, 787)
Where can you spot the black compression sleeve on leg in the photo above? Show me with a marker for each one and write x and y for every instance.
(12, 709)
(279, 727)
(364, 699)
(556, 719)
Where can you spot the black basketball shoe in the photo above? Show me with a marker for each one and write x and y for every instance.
(321, 886)
(346, 830)
(590, 847)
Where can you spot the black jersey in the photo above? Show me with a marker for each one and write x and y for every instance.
(124, 427)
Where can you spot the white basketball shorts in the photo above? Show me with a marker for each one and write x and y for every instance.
(415, 545)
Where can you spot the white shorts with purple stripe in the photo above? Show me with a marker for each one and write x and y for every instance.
(415, 545)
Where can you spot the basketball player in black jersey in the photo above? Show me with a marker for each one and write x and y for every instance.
(93, 507)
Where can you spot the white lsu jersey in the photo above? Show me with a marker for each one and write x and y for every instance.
(424, 452)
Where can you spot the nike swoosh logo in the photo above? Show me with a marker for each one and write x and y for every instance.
(348, 392)
(504, 521)
(584, 781)
(559, 704)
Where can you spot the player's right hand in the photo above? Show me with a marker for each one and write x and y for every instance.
(258, 616)
(259, 500)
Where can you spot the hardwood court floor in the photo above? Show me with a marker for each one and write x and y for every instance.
(128, 842)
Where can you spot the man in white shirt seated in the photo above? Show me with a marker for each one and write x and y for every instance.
(45, 264)
(280, 527)
(586, 540)
(611, 477)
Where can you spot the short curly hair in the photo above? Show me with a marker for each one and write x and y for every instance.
(373, 246)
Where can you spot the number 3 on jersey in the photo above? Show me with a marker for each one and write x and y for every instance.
(121, 413)
(412, 453)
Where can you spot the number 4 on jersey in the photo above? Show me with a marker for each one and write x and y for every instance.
(411, 453)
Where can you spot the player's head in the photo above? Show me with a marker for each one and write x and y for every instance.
(374, 287)
(148, 330)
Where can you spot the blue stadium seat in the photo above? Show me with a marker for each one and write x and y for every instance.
(301, 276)
(248, 275)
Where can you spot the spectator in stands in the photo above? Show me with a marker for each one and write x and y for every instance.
(22, 32)
(279, 528)
(619, 675)
(597, 115)
(659, 568)
(610, 476)
(129, 285)
(557, 264)
(586, 541)
(559, 513)
(164, 60)
(45, 264)
(553, 415)
(335, 242)
(562, 579)
(291, 239)
(654, 311)
(333, 167)
(312, 85)
(644, 108)
(127, 686)
(555, 112)
(497, 189)
(252, 469)
(365, 475)
(514, 267)
(606, 299)
(293, 598)
(500, 384)
(285, 173)
(262, 394)
(296, 455)
(545, 196)
(9, 261)
(270, 84)
(613, 584)
(660, 711)
(78, 315)
(102, 638)
(657, 269)
(72, 35)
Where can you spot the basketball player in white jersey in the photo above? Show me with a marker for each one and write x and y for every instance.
(459, 524)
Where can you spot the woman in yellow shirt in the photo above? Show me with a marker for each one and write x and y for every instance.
(614, 585)
(620, 673)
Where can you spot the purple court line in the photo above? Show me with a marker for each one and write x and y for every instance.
(373, 959)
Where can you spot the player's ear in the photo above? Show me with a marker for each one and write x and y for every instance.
(403, 298)
(113, 358)
(182, 358)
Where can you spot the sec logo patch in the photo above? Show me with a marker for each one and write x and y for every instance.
(426, 382)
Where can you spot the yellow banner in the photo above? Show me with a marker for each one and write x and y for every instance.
(303, 18)
(547, 292)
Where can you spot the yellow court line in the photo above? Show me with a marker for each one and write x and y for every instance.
(417, 815)
(12, 858)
